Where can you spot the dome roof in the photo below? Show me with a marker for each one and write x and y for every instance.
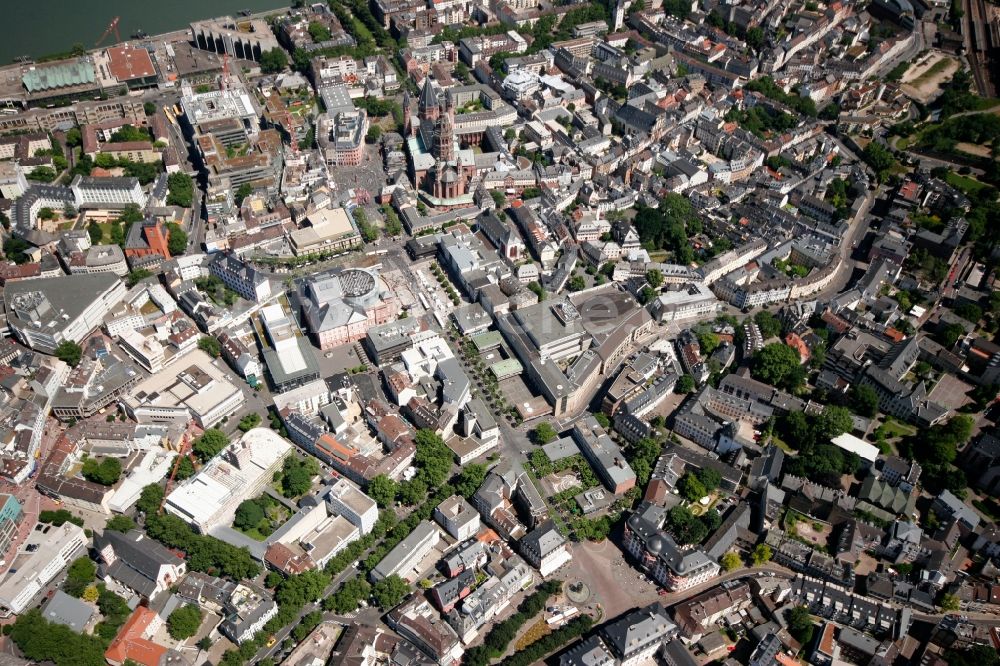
(655, 544)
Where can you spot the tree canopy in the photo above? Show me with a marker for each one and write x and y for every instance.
(544, 433)
(210, 346)
(107, 472)
(389, 591)
(81, 573)
(120, 524)
(183, 622)
(800, 624)
(248, 515)
(297, 474)
(433, 459)
(41, 641)
(69, 352)
(669, 227)
(383, 490)
(211, 442)
(779, 365)
(273, 61)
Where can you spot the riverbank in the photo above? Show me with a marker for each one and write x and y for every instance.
(62, 27)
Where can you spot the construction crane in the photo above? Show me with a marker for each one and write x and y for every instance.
(182, 453)
(112, 27)
(224, 81)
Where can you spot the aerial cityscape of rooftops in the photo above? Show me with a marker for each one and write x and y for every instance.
(589, 333)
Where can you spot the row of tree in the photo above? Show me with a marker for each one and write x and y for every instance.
(496, 641)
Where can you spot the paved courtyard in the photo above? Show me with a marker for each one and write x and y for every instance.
(615, 585)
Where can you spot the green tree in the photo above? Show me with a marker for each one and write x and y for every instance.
(296, 591)
(969, 311)
(137, 276)
(177, 239)
(185, 469)
(708, 342)
(691, 488)
(249, 422)
(655, 278)
(879, 159)
(761, 554)
(383, 490)
(779, 365)
(59, 517)
(273, 61)
(150, 499)
(180, 190)
(318, 31)
(69, 352)
(374, 133)
(730, 561)
(242, 193)
(249, 514)
(210, 346)
(433, 459)
(120, 524)
(297, 475)
(975, 655)
(864, 400)
(544, 433)
(393, 226)
(16, 249)
(646, 294)
(81, 573)
(209, 444)
(469, 479)
(95, 232)
(42, 174)
(768, 324)
(412, 492)
(949, 603)
(106, 472)
(183, 622)
(800, 624)
(709, 478)
(576, 283)
(388, 592)
(42, 641)
(685, 384)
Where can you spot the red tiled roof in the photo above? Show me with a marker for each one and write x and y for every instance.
(131, 642)
(127, 63)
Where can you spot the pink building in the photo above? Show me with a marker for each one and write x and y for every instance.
(339, 309)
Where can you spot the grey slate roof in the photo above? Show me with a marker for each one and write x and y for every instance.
(138, 559)
(69, 611)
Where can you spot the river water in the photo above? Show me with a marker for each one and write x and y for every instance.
(40, 27)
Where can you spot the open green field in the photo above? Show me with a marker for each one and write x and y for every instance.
(969, 186)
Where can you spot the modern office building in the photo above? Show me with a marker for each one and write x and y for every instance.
(348, 501)
(44, 312)
(199, 390)
(408, 553)
(53, 549)
(241, 471)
